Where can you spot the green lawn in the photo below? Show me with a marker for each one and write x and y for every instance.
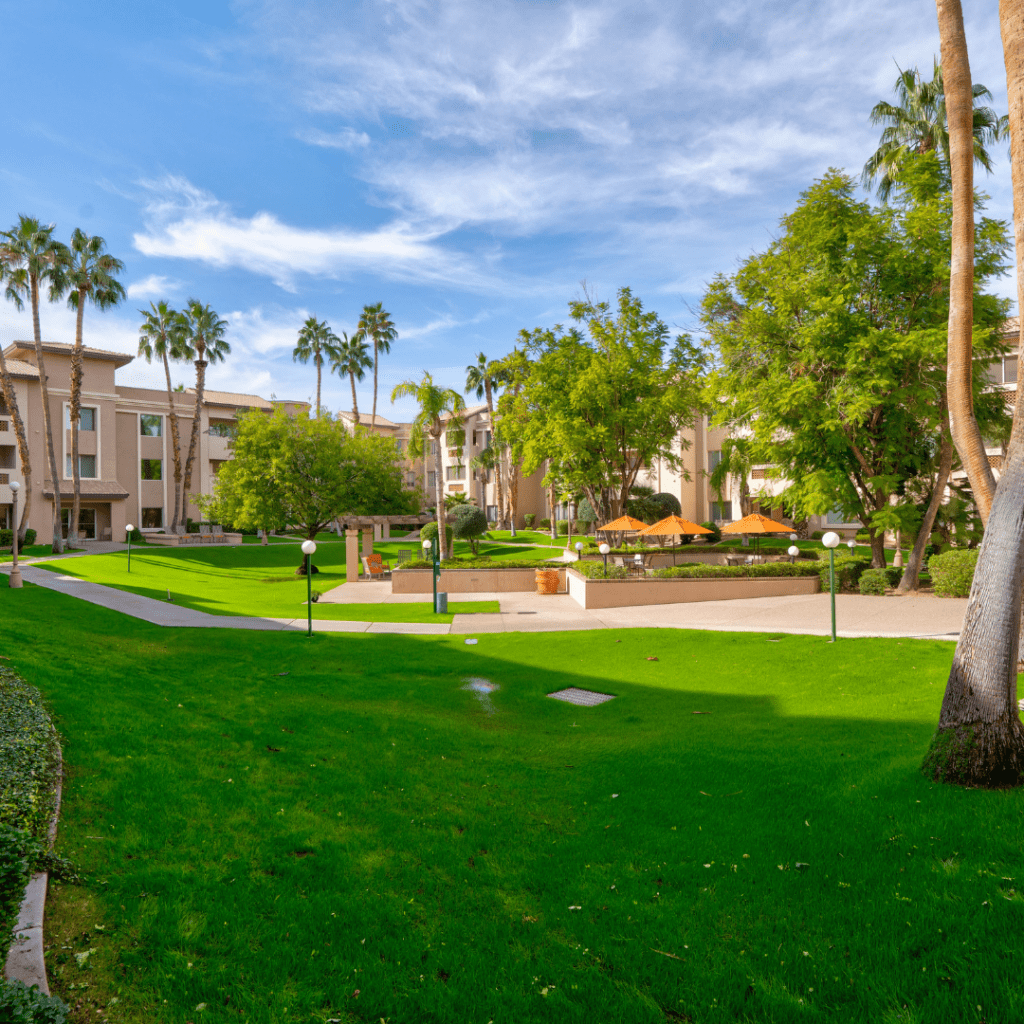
(286, 829)
(31, 551)
(244, 580)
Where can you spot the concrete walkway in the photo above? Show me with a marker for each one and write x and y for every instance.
(921, 616)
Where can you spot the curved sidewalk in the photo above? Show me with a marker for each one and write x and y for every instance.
(919, 616)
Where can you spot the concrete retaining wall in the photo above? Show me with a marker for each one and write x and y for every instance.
(471, 581)
(632, 592)
(191, 540)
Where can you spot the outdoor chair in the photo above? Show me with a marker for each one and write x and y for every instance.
(218, 534)
(375, 568)
(404, 555)
(205, 537)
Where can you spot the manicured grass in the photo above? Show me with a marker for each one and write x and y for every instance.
(31, 551)
(360, 839)
(244, 581)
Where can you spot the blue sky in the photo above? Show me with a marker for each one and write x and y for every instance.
(466, 163)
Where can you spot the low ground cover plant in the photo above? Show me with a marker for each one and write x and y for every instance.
(593, 569)
(873, 581)
(766, 569)
(533, 862)
(952, 572)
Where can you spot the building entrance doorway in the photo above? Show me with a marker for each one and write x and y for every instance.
(86, 523)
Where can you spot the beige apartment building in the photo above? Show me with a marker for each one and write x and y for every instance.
(125, 450)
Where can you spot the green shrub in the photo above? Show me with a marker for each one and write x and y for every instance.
(479, 562)
(530, 518)
(893, 575)
(562, 527)
(952, 572)
(873, 581)
(429, 532)
(7, 539)
(595, 570)
(848, 571)
(817, 535)
(716, 534)
(18, 852)
(585, 512)
(545, 524)
(20, 1004)
(766, 570)
(468, 523)
(669, 504)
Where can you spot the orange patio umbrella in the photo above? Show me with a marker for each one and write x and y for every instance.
(622, 524)
(673, 526)
(756, 524)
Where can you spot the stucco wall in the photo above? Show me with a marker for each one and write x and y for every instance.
(469, 581)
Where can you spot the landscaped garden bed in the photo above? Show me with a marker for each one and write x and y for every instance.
(497, 578)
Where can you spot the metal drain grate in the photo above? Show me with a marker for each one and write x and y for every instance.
(584, 698)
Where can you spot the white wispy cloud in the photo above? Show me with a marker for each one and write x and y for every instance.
(152, 287)
(345, 138)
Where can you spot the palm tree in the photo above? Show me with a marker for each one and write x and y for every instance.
(11, 403)
(204, 331)
(89, 272)
(484, 377)
(441, 411)
(316, 340)
(917, 124)
(351, 357)
(31, 256)
(163, 334)
(376, 323)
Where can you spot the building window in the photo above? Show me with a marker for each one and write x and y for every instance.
(410, 479)
(835, 517)
(455, 473)
(151, 426)
(714, 458)
(1010, 370)
(86, 467)
(152, 469)
(492, 513)
(222, 428)
(398, 445)
(152, 518)
(431, 479)
(432, 448)
(721, 510)
(86, 418)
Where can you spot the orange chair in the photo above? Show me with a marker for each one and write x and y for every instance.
(375, 568)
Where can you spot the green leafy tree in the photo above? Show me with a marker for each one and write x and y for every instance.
(317, 342)
(601, 405)
(469, 524)
(162, 335)
(203, 337)
(831, 345)
(31, 258)
(90, 275)
(375, 323)
(441, 414)
(351, 357)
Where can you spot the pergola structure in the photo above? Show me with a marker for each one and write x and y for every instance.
(373, 528)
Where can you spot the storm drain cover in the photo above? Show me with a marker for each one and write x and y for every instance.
(585, 698)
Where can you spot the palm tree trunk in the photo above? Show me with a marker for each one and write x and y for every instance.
(194, 440)
(58, 543)
(442, 543)
(497, 462)
(956, 76)
(318, 365)
(11, 401)
(909, 582)
(76, 412)
(551, 502)
(355, 404)
(373, 417)
(979, 740)
(513, 495)
(175, 445)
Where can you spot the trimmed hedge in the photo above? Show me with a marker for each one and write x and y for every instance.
(482, 562)
(767, 570)
(716, 532)
(7, 539)
(595, 570)
(873, 581)
(429, 531)
(952, 572)
(849, 569)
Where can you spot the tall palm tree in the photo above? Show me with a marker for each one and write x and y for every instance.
(376, 323)
(917, 124)
(163, 334)
(33, 257)
(351, 357)
(90, 274)
(11, 402)
(316, 341)
(204, 331)
(441, 411)
(484, 377)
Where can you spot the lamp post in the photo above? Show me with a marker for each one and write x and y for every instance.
(15, 578)
(793, 552)
(852, 545)
(309, 549)
(604, 549)
(129, 529)
(431, 546)
(831, 541)
(579, 550)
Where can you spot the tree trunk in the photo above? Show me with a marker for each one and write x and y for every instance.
(911, 573)
(442, 544)
(11, 401)
(264, 540)
(554, 522)
(497, 462)
(513, 496)
(877, 547)
(355, 404)
(956, 77)
(76, 413)
(175, 446)
(58, 542)
(194, 440)
(318, 361)
(373, 417)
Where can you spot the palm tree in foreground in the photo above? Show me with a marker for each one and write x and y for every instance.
(917, 124)
(163, 334)
(31, 257)
(351, 357)
(316, 341)
(376, 323)
(441, 411)
(89, 272)
(11, 401)
(204, 331)
(484, 377)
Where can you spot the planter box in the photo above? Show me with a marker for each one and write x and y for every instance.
(471, 581)
(626, 593)
(191, 540)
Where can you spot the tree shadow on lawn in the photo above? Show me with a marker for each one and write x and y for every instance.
(630, 858)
